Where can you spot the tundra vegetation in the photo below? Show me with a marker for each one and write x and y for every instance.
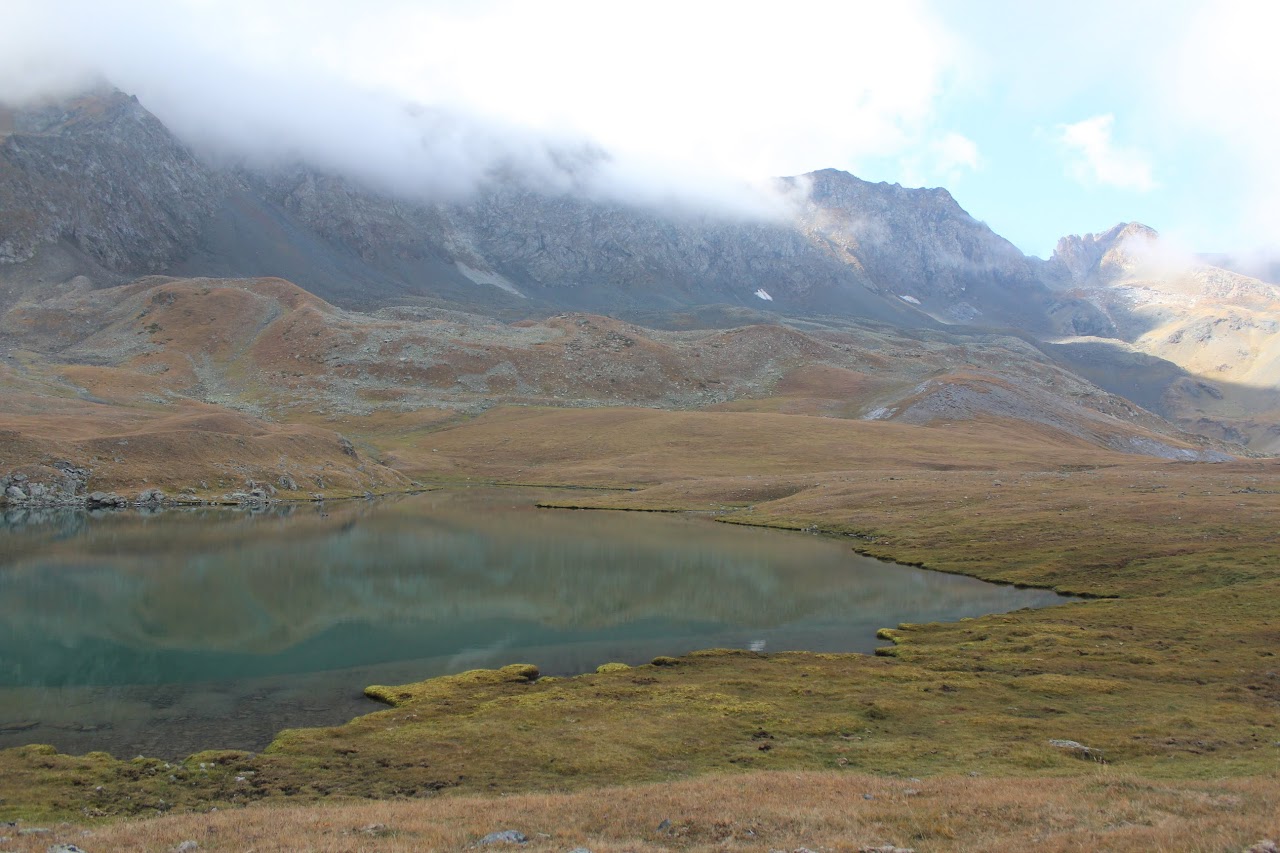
(1144, 716)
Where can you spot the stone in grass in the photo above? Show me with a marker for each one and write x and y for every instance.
(187, 846)
(1264, 846)
(1079, 750)
(886, 848)
(64, 848)
(506, 836)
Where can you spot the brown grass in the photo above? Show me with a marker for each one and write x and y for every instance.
(836, 811)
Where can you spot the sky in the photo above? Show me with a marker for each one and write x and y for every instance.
(1042, 119)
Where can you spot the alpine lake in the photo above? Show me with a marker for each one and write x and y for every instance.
(185, 629)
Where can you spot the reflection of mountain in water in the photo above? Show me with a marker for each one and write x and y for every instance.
(177, 597)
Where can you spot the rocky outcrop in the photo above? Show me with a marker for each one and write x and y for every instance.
(1100, 258)
(57, 483)
(104, 174)
(921, 245)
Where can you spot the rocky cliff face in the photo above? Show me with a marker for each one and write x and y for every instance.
(104, 174)
(921, 245)
(574, 251)
(1099, 258)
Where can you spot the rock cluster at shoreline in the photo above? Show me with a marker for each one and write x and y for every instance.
(59, 483)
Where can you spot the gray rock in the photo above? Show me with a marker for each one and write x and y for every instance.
(15, 493)
(151, 497)
(35, 830)
(186, 846)
(506, 836)
(1078, 749)
(105, 500)
(64, 848)
(580, 850)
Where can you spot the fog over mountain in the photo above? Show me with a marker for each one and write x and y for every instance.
(430, 101)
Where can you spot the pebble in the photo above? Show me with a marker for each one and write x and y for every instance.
(187, 846)
(506, 836)
(64, 848)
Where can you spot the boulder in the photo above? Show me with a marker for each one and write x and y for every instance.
(150, 497)
(105, 500)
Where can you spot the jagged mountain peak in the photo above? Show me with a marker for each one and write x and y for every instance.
(1102, 257)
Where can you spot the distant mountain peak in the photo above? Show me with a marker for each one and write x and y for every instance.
(1104, 256)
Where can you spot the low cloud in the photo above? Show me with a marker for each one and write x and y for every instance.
(1094, 158)
(689, 104)
(1216, 89)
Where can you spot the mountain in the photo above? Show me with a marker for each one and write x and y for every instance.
(139, 276)
(100, 179)
(104, 175)
(1207, 339)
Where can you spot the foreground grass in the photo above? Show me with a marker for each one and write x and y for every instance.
(747, 811)
(1170, 675)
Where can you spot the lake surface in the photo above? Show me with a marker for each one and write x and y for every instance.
(183, 630)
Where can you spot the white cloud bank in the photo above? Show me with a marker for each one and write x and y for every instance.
(1094, 158)
(1219, 93)
(686, 98)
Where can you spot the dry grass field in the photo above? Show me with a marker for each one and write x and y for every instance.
(769, 810)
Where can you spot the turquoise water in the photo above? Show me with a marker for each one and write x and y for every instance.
(164, 634)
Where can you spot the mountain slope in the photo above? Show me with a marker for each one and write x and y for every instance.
(1219, 329)
(104, 175)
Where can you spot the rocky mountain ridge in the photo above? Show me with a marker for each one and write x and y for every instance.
(105, 174)
(106, 177)
(96, 191)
